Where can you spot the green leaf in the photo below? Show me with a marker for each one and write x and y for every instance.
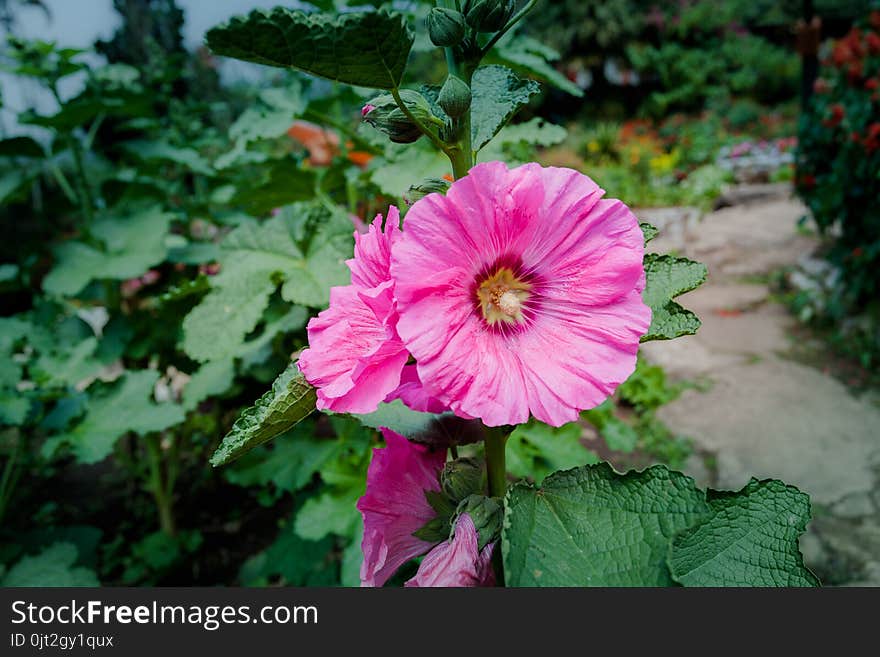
(54, 566)
(163, 151)
(429, 428)
(332, 512)
(750, 539)
(125, 407)
(403, 167)
(210, 380)
(529, 56)
(649, 231)
(304, 247)
(290, 401)
(594, 527)
(289, 462)
(536, 449)
(368, 49)
(667, 277)
(284, 182)
(497, 95)
(21, 147)
(131, 246)
(296, 561)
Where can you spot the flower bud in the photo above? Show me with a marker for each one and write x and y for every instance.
(427, 186)
(489, 15)
(461, 478)
(383, 114)
(454, 97)
(446, 27)
(487, 515)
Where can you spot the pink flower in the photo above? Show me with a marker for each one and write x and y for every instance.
(412, 393)
(458, 562)
(394, 505)
(519, 292)
(366, 109)
(355, 357)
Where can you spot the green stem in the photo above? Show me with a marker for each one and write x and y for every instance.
(496, 470)
(82, 182)
(7, 484)
(162, 493)
(516, 18)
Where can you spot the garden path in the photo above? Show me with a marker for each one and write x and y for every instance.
(761, 412)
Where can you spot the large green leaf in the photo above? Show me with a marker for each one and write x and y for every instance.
(304, 246)
(750, 539)
(282, 183)
(497, 95)
(290, 400)
(368, 49)
(131, 246)
(594, 527)
(667, 277)
(125, 407)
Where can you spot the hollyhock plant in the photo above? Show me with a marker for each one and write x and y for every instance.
(511, 295)
(354, 341)
(519, 292)
(457, 562)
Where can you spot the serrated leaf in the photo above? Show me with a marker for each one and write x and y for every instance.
(131, 246)
(125, 407)
(666, 278)
(649, 231)
(594, 527)
(290, 400)
(750, 539)
(54, 566)
(368, 49)
(304, 247)
(497, 95)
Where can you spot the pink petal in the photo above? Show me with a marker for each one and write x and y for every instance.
(394, 505)
(458, 562)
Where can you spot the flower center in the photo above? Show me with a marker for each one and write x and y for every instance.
(501, 297)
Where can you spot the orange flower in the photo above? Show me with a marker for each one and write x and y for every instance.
(323, 144)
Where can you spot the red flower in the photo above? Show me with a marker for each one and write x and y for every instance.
(857, 252)
(872, 141)
(837, 115)
(872, 84)
(874, 19)
(854, 72)
(854, 137)
(873, 40)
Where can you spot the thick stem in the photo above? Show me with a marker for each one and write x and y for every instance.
(496, 470)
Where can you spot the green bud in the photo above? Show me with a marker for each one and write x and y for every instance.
(383, 114)
(461, 478)
(427, 186)
(489, 15)
(487, 515)
(454, 97)
(446, 27)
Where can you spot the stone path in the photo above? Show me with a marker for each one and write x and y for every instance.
(763, 414)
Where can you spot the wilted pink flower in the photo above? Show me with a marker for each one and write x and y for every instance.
(355, 357)
(394, 505)
(520, 291)
(458, 562)
(366, 109)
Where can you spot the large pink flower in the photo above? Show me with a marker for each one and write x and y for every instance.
(394, 505)
(519, 292)
(458, 562)
(355, 357)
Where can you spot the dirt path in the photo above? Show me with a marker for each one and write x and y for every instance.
(763, 414)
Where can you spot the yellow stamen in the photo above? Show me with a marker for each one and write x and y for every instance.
(501, 297)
